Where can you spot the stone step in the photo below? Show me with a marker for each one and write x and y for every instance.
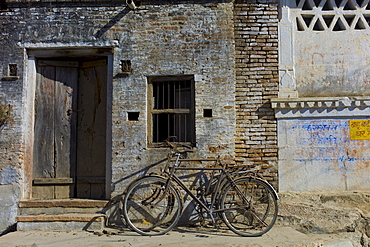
(81, 203)
(62, 214)
(60, 222)
(81, 206)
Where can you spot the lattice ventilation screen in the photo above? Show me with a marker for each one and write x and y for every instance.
(333, 15)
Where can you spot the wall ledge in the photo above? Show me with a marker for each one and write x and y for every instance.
(321, 106)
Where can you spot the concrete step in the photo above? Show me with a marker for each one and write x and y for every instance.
(60, 222)
(66, 214)
(81, 206)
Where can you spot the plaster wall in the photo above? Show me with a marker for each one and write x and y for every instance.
(332, 63)
(324, 49)
(317, 148)
(318, 155)
(8, 202)
(324, 84)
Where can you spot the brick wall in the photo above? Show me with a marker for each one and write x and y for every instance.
(256, 41)
(212, 40)
(160, 39)
(166, 38)
(175, 39)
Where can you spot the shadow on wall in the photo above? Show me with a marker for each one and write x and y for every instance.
(5, 111)
(265, 111)
(141, 172)
(112, 22)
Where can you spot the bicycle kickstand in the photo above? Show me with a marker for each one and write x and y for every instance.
(215, 225)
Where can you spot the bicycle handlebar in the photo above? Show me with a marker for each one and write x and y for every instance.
(174, 146)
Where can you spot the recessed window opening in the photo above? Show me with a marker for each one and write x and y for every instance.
(300, 26)
(307, 6)
(133, 116)
(307, 19)
(360, 3)
(367, 20)
(207, 112)
(328, 20)
(126, 66)
(328, 6)
(349, 19)
(317, 3)
(318, 26)
(350, 5)
(3, 5)
(339, 26)
(172, 109)
(13, 71)
(338, 2)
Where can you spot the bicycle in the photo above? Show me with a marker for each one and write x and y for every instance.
(246, 203)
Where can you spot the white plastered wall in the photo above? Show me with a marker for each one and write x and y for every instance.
(324, 54)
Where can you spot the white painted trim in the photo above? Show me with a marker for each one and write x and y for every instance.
(321, 107)
(82, 45)
(29, 89)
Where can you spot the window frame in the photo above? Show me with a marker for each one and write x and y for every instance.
(151, 111)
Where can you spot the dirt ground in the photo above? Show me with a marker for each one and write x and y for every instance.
(186, 237)
(343, 213)
(330, 219)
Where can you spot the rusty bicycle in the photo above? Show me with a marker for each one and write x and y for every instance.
(245, 202)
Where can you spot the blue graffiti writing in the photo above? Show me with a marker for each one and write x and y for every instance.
(348, 158)
(318, 139)
(324, 127)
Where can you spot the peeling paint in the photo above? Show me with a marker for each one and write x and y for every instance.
(319, 155)
(9, 175)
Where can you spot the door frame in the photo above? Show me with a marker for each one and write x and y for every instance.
(31, 55)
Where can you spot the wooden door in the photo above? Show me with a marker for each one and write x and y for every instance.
(55, 127)
(91, 139)
(70, 129)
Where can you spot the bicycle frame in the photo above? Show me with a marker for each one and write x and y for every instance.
(239, 196)
(215, 193)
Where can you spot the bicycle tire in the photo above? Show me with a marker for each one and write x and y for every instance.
(149, 208)
(253, 217)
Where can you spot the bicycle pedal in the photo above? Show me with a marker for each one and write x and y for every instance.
(216, 226)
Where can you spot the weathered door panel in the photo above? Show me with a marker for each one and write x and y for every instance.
(44, 123)
(91, 139)
(55, 98)
(65, 128)
(70, 130)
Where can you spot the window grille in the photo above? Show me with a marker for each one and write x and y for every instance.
(172, 109)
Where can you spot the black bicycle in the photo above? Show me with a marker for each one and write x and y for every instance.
(246, 203)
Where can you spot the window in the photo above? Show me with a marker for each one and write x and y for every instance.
(13, 70)
(171, 107)
(133, 116)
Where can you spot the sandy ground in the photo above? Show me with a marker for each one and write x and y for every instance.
(187, 237)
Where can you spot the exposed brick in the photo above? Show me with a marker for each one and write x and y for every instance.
(257, 70)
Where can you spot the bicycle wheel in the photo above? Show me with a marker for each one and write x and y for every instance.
(250, 207)
(150, 207)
